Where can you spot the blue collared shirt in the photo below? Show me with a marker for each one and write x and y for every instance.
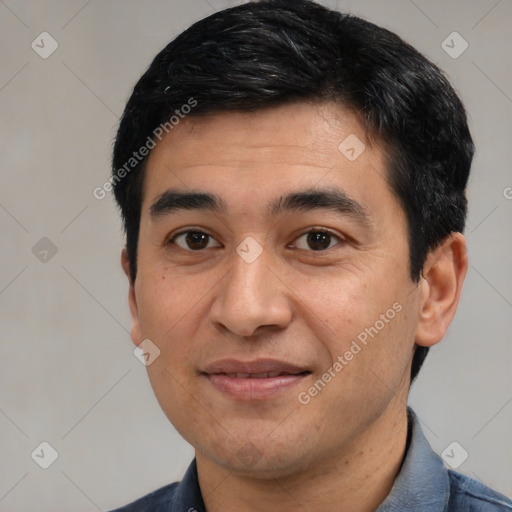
(422, 485)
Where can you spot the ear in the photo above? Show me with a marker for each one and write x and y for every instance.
(440, 288)
(136, 332)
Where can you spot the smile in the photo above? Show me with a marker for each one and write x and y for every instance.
(255, 380)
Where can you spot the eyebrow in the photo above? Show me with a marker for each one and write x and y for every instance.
(333, 199)
(171, 201)
(326, 199)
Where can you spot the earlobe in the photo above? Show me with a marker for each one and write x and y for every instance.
(136, 333)
(441, 286)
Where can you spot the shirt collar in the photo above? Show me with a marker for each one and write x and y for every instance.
(187, 497)
(422, 484)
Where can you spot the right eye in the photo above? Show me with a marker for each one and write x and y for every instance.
(194, 240)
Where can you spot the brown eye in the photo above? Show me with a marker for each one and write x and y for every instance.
(194, 241)
(317, 241)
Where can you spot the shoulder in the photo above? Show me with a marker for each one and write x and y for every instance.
(155, 501)
(472, 496)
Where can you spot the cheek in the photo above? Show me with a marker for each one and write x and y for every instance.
(170, 313)
(181, 402)
(366, 320)
(338, 306)
(170, 317)
(165, 300)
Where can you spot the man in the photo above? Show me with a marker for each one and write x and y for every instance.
(292, 183)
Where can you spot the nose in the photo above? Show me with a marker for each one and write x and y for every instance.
(251, 297)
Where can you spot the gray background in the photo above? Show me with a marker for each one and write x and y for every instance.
(69, 376)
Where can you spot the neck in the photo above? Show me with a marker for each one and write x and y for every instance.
(356, 478)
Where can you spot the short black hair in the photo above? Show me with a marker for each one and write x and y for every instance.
(272, 52)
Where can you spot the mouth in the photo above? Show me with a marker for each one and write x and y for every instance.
(263, 375)
(253, 380)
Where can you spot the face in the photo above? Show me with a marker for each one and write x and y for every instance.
(273, 276)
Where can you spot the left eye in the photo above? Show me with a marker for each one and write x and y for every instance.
(317, 241)
(194, 240)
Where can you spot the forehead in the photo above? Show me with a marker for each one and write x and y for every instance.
(244, 156)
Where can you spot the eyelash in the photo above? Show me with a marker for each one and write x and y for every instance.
(322, 231)
(197, 231)
(172, 240)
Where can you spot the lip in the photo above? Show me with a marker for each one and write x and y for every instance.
(246, 380)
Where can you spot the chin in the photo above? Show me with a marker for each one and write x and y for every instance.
(258, 458)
